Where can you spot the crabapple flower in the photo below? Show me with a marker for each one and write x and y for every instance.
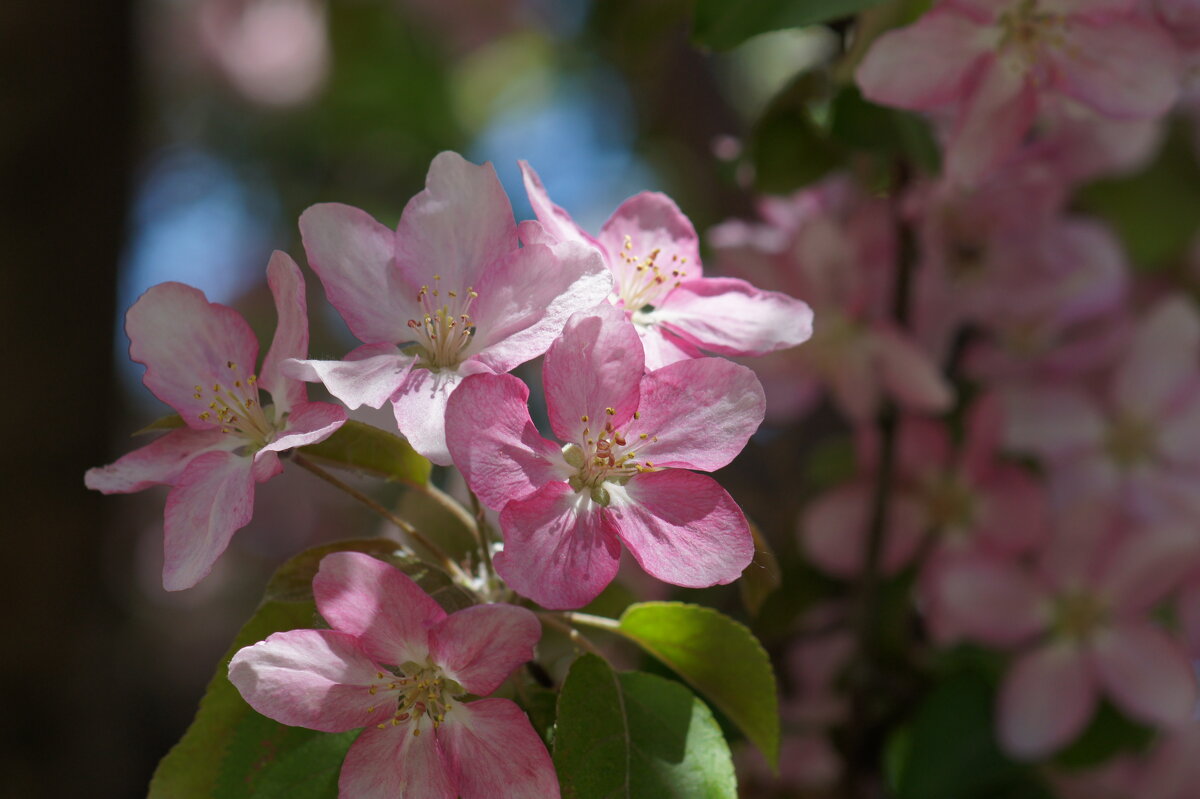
(654, 255)
(452, 284)
(995, 64)
(199, 359)
(398, 666)
(622, 475)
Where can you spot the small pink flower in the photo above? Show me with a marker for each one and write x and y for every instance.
(654, 255)
(996, 63)
(622, 476)
(397, 665)
(451, 280)
(199, 359)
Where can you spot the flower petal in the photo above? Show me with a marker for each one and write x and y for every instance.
(370, 381)
(987, 599)
(732, 317)
(663, 348)
(556, 222)
(1146, 673)
(697, 414)
(481, 645)
(494, 751)
(1045, 701)
(419, 404)
(213, 499)
(393, 762)
(493, 442)
(992, 123)
(926, 64)
(186, 341)
(682, 527)
(161, 462)
(596, 364)
(457, 226)
(1052, 422)
(308, 423)
(1124, 69)
(1161, 360)
(910, 373)
(526, 298)
(834, 530)
(291, 332)
(644, 223)
(353, 256)
(559, 549)
(319, 679)
(379, 604)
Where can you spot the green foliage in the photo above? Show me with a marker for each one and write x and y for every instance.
(369, 450)
(637, 735)
(788, 148)
(1110, 733)
(718, 657)
(863, 125)
(230, 751)
(762, 577)
(724, 24)
(171, 422)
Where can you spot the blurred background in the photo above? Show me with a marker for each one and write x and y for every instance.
(154, 140)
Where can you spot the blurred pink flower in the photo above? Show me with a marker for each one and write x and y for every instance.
(397, 665)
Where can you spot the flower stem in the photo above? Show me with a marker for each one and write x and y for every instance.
(559, 622)
(445, 560)
(481, 535)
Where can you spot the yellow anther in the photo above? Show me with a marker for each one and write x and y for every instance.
(610, 411)
(637, 414)
(373, 689)
(629, 242)
(252, 379)
(583, 418)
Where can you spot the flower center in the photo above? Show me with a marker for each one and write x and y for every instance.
(445, 328)
(1027, 33)
(605, 457)
(950, 504)
(1078, 615)
(235, 408)
(1130, 441)
(420, 691)
(647, 282)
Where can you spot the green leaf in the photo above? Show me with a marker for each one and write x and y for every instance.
(788, 148)
(718, 657)
(230, 751)
(724, 24)
(762, 577)
(172, 422)
(369, 450)
(636, 735)
(1109, 733)
(861, 124)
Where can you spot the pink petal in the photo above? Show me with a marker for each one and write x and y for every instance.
(494, 751)
(1124, 69)
(556, 222)
(596, 364)
(213, 499)
(992, 123)
(1045, 701)
(989, 599)
(319, 679)
(834, 531)
(927, 64)
(291, 332)
(379, 604)
(526, 298)
(161, 462)
(985, 429)
(922, 448)
(393, 762)
(697, 414)
(493, 442)
(481, 645)
(663, 348)
(682, 527)
(1146, 673)
(1161, 361)
(370, 381)
(186, 341)
(910, 373)
(559, 549)
(1144, 566)
(353, 256)
(308, 423)
(1011, 510)
(1052, 422)
(419, 404)
(732, 317)
(457, 226)
(651, 221)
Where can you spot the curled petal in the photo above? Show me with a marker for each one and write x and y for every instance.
(370, 381)
(557, 223)
(291, 332)
(308, 423)
(161, 462)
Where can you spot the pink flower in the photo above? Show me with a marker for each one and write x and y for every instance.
(1083, 621)
(199, 359)
(397, 665)
(995, 63)
(654, 255)
(452, 280)
(621, 477)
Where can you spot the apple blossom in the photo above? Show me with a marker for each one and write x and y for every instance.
(564, 511)
(654, 255)
(451, 280)
(398, 666)
(199, 359)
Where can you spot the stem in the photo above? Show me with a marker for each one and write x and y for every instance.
(445, 560)
(559, 621)
(599, 622)
(481, 534)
